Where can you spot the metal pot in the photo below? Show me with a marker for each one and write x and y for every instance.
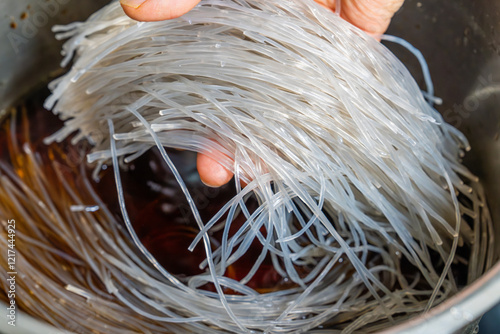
(458, 38)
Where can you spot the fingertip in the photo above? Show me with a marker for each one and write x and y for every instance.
(132, 3)
(212, 173)
(156, 10)
(132, 12)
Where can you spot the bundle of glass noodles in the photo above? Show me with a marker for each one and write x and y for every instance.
(363, 205)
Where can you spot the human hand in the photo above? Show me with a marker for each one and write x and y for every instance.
(372, 16)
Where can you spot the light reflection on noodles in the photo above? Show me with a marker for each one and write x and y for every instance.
(354, 172)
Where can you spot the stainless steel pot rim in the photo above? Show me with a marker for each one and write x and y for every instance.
(458, 311)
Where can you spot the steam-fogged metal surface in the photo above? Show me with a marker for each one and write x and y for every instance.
(461, 43)
(29, 52)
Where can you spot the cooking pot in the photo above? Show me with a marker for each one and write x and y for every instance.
(460, 40)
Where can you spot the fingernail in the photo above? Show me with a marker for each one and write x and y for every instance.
(132, 3)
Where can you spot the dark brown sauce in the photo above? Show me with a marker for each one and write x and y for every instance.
(157, 208)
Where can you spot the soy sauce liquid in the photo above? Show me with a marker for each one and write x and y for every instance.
(158, 209)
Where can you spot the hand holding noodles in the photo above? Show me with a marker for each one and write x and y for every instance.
(371, 16)
(358, 179)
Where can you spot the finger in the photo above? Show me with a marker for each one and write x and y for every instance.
(212, 173)
(156, 10)
(372, 16)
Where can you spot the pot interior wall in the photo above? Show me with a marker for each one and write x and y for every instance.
(460, 41)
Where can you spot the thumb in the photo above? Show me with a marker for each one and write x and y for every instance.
(156, 10)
